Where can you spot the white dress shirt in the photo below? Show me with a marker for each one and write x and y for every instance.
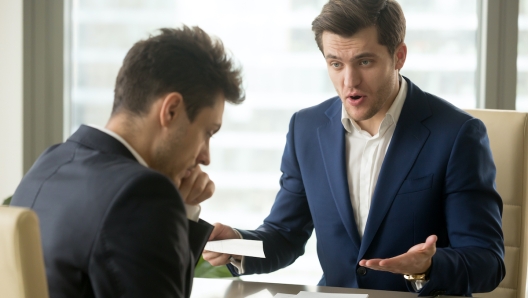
(365, 154)
(193, 211)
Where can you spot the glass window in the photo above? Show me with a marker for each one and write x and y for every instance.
(284, 72)
(442, 48)
(522, 58)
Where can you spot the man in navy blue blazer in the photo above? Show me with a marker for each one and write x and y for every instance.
(398, 183)
(118, 205)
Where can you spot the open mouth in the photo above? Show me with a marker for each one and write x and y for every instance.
(355, 100)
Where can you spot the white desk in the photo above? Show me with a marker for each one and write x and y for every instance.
(227, 288)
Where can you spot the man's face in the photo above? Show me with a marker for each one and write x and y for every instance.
(187, 143)
(363, 72)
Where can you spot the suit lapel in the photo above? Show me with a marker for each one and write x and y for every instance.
(407, 141)
(332, 144)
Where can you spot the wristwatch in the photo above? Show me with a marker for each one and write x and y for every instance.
(417, 281)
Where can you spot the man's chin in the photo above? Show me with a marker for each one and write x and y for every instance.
(356, 114)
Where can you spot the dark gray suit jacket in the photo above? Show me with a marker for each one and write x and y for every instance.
(110, 226)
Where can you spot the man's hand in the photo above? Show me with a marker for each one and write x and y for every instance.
(416, 260)
(196, 187)
(220, 232)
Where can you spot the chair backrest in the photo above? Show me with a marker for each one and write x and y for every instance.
(507, 131)
(22, 273)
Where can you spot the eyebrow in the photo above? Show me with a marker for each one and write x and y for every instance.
(360, 56)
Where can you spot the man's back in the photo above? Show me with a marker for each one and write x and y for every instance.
(110, 226)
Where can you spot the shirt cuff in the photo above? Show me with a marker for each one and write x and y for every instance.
(239, 264)
(193, 212)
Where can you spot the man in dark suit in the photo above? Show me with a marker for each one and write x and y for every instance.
(398, 183)
(113, 222)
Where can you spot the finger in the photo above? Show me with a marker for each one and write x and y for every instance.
(221, 232)
(209, 255)
(199, 190)
(187, 183)
(216, 231)
(395, 262)
(427, 248)
(431, 241)
(373, 263)
(216, 259)
(219, 259)
(362, 262)
(206, 193)
(382, 265)
(408, 263)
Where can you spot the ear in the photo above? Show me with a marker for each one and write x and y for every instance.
(400, 55)
(172, 107)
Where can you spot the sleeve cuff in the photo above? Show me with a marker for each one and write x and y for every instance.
(193, 212)
(238, 264)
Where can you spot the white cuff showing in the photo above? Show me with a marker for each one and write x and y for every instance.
(193, 212)
(239, 264)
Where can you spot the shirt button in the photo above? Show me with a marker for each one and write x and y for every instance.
(361, 271)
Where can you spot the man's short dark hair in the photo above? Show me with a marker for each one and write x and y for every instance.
(346, 17)
(185, 60)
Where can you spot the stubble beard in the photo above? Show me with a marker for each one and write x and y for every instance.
(380, 99)
(165, 154)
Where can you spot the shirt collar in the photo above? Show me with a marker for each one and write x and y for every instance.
(393, 113)
(122, 141)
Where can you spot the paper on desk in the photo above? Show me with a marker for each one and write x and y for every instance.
(241, 247)
(280, 295)
(304, 294)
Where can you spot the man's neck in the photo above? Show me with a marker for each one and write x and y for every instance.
(133, 133)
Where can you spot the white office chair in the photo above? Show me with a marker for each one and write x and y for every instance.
(507, 131)
(22, 273)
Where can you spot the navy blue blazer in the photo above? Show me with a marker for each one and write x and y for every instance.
(438, 177)
(110, 226)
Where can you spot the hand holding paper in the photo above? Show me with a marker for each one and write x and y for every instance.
(220, 232)
(241, 247)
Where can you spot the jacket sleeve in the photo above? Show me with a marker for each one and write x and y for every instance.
(474, 260)
(289, 225)
(142, 249)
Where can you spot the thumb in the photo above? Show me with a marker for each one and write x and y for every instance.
(430, 244)
(431, 240)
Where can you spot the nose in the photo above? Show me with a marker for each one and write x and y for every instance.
(204, 158)
(352, 77)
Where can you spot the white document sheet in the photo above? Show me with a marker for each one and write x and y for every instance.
(241, 247)
(304, 294)
(279, 295)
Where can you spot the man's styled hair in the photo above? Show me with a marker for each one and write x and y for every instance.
(346, 17)
(185, 60)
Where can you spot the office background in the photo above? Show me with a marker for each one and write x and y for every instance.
(59, 60)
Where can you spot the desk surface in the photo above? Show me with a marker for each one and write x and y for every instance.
(227, 288)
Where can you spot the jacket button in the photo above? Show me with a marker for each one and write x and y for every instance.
(361, 271)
